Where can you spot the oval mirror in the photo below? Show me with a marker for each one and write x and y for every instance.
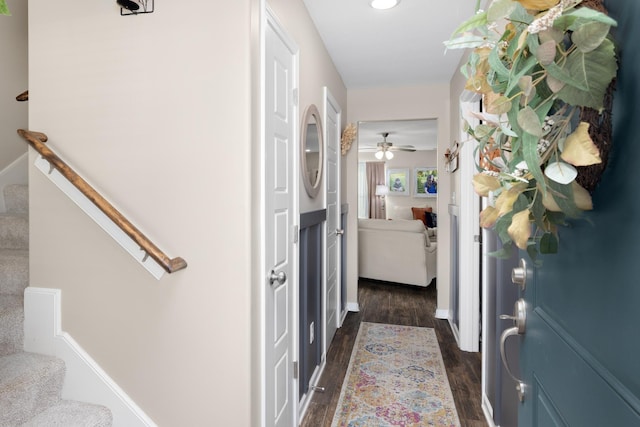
(311, 147)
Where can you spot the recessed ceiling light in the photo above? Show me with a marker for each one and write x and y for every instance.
(384, 4)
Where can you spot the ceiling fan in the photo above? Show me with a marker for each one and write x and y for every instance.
(385, 148)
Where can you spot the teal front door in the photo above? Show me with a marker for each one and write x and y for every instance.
(580, 350)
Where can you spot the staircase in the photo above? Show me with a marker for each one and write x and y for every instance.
(30, 384)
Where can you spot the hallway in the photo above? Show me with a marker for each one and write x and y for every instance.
(381, 302)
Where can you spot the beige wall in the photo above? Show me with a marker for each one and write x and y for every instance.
(159, 113)
(399, 207)
(414, 102)
(13, 81)
(153, 110)
(316, 71)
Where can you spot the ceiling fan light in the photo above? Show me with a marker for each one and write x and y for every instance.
(379, 154)
(384, 4)
(388, 155)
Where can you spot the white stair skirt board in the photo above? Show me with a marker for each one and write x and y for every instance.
(442, 313)
(353, 306)
(99, 217)
(16, 173)
(85, 380)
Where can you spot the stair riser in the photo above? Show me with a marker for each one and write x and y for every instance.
(11, 331)
(14, 273)
(16, 198)
(14, 231)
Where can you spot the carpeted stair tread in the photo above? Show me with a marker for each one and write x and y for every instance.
(14, 231)
(68, 413)
(14, 271)
(11, 321)
(16, 198)
(29, 384)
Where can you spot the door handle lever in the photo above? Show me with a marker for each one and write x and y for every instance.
(519, 319)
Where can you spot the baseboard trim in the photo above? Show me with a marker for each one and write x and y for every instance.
(487, 409)
(85, 380)
(442, 314)
(353, 306)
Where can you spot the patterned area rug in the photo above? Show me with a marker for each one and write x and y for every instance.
(396, 377)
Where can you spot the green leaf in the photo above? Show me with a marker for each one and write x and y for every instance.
(561, 74)
(477, 20)
(528, 64)
(565, 199)
(548, 244)
(4, 9)
(572, 19)
(529, 122)
(538, 211)
(530, 154)
(504, 252)
(497, 65)
(500, 9)
(595, 70)
(590, 35)
(546, 52)
(466, 41)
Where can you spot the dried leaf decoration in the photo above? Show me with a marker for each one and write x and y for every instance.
(581, 198)
(506, 199)
(537, 64)
(538, 4)
(520, 229)
(488, 217)
(579, 148)
(483, 184)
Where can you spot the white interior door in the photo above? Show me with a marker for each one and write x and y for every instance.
(280, 216)
(332, 113)
(469, 239)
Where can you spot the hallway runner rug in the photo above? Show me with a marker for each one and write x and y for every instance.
(396, 377)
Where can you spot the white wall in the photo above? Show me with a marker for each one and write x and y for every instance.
(13, 81)
(398, 103)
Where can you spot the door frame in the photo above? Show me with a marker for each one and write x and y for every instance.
(267, 18)
(329, 100)
(469, 239)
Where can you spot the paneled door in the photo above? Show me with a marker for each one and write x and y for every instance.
(280, 213)
(332, 113)
(579, 337)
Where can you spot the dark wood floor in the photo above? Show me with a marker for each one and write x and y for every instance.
(401, 305)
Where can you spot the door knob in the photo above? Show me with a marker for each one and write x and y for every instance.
(519, 274)
(279, 277)
(339, 232)
(519, 319)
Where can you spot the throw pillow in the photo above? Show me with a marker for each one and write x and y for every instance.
(428, 217)
(419, 213)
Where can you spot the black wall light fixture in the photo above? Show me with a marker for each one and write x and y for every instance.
(135, 7)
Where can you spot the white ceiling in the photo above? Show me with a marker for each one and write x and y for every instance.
(422, 134)
(397, 47)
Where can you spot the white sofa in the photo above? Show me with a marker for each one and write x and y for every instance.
(396, 251)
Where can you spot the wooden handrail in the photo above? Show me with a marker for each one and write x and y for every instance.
(37, 139)
(24, 96)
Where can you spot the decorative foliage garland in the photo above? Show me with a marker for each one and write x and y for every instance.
(540, 66)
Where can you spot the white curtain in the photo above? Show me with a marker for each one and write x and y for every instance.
(363, 192)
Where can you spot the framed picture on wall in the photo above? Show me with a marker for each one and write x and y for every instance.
(425, 182)
(398, 182)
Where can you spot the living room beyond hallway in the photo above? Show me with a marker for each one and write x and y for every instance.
(382, 302)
